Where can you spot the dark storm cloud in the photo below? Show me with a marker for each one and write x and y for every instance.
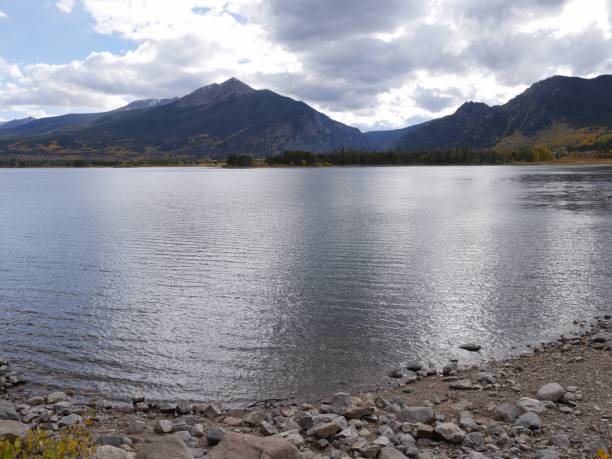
(298, 22)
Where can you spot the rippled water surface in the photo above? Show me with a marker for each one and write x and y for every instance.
(247, 284)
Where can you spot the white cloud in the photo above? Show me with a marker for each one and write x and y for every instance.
(65, 6)
(2, 14)
(377, 64)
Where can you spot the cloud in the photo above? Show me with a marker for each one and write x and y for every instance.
(2, 14)
(65, 6)
(381, 63)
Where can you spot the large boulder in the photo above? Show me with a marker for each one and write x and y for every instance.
(7, 410)
(240, 446)
(11, 430)
(169, 446)
(416, 414)
(551, 391)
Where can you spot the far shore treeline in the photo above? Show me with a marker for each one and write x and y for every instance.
(342, 157)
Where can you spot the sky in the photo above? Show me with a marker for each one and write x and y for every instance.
(373, 64)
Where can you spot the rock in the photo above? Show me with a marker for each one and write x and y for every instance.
(474, 440)
(599, 338)
(472, 347)
(417, 414)
(560, 440)
(232, 421)
(304, 420)
(467, 421)
(183, 408)
(506, 412)
(548, 453)
(325, 429)
(7, 411)
(390, 453)
(414, 365)
(358, 412)
(137, 427)
(210, 410)
(526, 404)
(214, 436)
(551, 391)
(197, 430)
(292, 436)
(55, 397)
(167, 407)
(138, 397)
(240, 446)
(267, 428)
(397, 374)
(70, 420)
(424, 431)
(163, 426)
(111, 440)
(529, 421)
(462, 384)
(11, 430)
(341, 403)
(36, 400)
(450, 432)
(169, 446)
(111, 452)
(254, 418)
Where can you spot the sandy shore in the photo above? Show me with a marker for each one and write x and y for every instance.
(554, 402)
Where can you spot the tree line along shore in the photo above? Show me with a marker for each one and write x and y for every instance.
(342, 157)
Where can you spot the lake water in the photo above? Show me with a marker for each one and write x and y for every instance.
(240, 285)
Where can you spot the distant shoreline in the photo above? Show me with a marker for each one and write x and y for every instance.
(556, 162)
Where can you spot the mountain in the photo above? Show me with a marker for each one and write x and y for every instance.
(213, 121)
(146, 103)
(556, 112)
(15, 123)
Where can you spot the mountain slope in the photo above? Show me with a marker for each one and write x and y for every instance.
(214, 121)
(7, 125)
(559, 111)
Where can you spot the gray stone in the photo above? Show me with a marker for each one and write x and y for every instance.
(506, 412)
(526, 404)
(111, 440)
(472, 347)
(548, 453)
(450, 432)
(462, 384)
(416, 414)
(70, 420)
(11, 430)
(7, 411)
(163, 426)
(341, 403)
(529, 421)
(551, 391)
(467, 421)
(254, 418)
(214, 436)
(474, 440)
(166, 447)
(267, 428)
(36, 400)
(138, 397)
(390, 453)
(600, 338)
(325, 429)
(57, 396)
(560, 440)
(183, 408)
(137, 427)
(414, 365)
(111, 452)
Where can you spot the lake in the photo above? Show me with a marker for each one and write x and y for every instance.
(241, 285)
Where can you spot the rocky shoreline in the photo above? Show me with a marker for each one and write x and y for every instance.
(553, 402)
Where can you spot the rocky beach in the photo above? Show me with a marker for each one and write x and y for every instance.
(552, 402)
